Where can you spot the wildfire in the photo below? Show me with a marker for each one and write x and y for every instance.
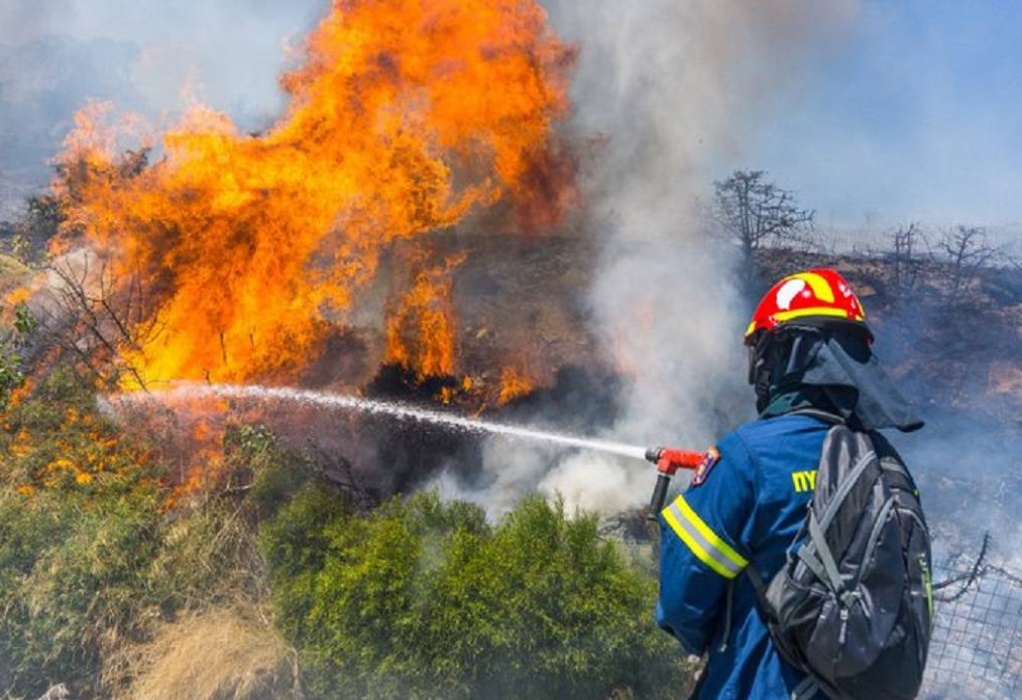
(513, 383)
(427, 309)
(406, 117)
(78, 450)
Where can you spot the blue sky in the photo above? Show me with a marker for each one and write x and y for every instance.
(915, 116)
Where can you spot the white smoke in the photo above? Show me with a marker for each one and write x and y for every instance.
(674, 87)
(232, 51)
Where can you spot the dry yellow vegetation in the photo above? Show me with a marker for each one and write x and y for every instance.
(13, 273)
(225, 654)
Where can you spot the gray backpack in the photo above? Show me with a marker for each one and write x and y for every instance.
(852, 606)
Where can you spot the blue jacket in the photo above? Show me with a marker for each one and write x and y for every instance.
(746, 512)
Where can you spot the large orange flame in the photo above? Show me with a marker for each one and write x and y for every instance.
(406, 116)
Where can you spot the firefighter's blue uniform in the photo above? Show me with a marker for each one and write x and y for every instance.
(746, 512)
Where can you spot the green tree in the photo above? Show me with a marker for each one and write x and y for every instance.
(422, 599)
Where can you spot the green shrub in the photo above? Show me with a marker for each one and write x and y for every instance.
(72, 581)
(79, 522)
(90, 556)
(422, 599)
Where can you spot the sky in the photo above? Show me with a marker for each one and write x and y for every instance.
(911, 112)
(915, 115)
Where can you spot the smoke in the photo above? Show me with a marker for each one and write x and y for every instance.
(21, 19)
(234, 50)
(966, 467)
(667, 91)
(673, 88)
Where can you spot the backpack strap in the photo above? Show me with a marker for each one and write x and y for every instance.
(759, 585)
(847, 484)
(823, 415)
(757, 581)
(821, 559)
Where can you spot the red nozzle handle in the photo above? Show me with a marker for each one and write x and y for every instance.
(668, 460)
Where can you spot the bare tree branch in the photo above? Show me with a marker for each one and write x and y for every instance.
(96, 316)
(907, 257)
(967, 250)
(752, 212)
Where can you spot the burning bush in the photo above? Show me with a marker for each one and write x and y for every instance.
(423, 599)
(54, 438)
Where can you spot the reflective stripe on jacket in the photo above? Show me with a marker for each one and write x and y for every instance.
(746, 513)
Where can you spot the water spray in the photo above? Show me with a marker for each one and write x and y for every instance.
(667, 461)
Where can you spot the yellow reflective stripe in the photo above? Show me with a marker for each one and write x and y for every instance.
(721, 546)
(696, 548)
(702, 541)
(782, 316)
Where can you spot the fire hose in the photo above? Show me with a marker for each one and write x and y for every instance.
(668, 461)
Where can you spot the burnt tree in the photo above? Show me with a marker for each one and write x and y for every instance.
(967, 249)
(906, 257)
(750, 212)
(94, 315)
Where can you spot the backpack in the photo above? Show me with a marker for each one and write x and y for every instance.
(852, 606)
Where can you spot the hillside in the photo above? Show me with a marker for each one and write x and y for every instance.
(130, 543)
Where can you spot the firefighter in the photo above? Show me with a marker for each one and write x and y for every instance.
(811, 364)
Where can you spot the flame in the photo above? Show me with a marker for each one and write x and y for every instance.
(406, 117)
(514, 382)
(79, 448)
(421, 334)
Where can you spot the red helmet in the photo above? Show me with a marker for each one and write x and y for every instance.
(820, 296)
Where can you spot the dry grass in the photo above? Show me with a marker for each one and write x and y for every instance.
(223, 654)
(13, 273)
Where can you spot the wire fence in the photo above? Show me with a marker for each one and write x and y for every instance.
(976, 648)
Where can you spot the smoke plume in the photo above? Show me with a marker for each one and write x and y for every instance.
(673, 89)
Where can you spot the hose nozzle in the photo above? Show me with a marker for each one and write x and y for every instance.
(667, 462)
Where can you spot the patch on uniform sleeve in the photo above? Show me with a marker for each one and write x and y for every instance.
(703, 470)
